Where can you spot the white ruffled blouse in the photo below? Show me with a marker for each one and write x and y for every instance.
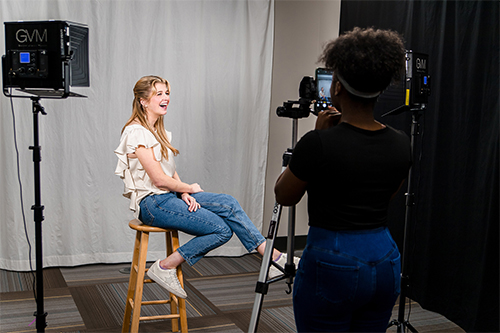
(137, 182)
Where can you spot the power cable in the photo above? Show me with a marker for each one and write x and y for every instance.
(21, 194)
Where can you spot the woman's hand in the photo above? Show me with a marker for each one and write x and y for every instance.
(195, 188)
(191, 202)
(328, 118)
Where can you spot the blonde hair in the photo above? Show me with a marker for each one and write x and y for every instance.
(144, 89)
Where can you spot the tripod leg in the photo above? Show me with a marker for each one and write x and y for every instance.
(262, 285)
(290, 265)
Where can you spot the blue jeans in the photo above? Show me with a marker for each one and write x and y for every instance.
(347, 281)
(213, 224)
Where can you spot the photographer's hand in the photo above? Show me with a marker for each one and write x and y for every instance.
(327, 118)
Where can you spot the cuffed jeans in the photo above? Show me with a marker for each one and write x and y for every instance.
(213, 224)
(347, 281)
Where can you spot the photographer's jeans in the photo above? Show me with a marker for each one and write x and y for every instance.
(214, 223)
(347, 281)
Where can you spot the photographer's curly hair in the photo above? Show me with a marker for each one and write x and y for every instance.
(367, 59)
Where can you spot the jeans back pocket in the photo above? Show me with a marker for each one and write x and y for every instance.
(336, 283)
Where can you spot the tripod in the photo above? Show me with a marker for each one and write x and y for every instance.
(289, 270)
(400, 322)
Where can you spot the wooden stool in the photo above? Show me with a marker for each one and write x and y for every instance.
(137, 280)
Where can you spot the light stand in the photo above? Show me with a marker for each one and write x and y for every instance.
(401, 323)
(37, 208)
(417, 91)
(43, 58)
(37, 108)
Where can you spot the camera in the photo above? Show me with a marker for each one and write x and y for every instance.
(311, 90)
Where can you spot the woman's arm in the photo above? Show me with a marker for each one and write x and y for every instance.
(187, 198)
(158, 177)
(289, 189)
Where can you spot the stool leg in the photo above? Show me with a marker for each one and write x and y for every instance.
(131, 284)
(182, 310)
(141, 269)
(174, 237)
(173, 304)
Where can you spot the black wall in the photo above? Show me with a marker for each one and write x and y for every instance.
(452, 247)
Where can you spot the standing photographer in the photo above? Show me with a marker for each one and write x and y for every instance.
(350, 165)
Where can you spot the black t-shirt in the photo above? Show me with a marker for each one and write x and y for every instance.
(351, 173)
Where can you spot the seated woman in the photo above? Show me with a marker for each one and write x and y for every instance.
(159, 198)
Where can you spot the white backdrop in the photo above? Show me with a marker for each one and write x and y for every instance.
(217, 56)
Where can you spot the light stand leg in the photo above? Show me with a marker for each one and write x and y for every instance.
(38, 218)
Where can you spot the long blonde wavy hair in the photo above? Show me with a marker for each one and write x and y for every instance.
(144, 89)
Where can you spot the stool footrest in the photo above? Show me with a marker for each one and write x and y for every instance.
(171, 316)
(165, 301)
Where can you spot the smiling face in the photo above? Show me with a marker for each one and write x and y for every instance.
(157, 104)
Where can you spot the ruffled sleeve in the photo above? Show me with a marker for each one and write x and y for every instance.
(134, 136)
(137, 182)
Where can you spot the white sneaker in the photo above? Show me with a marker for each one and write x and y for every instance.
(167, 278)
(274, 272)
